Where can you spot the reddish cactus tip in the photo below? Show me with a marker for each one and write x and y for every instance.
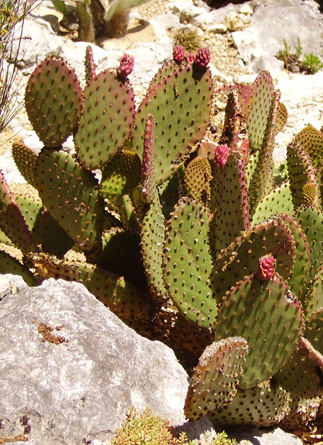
(191, 58)
(203, 57)
(221, 154)
(266, 267)
(126, 66)
(178, 53)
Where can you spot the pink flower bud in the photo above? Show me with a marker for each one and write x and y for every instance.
(191, 58)
(266, 267)
(203, 57)
(221, 155)
(178, 53)
(126, 66)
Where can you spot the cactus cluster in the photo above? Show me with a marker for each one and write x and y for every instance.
(187, 236)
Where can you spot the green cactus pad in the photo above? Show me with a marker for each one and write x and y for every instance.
(301, 172)
(152, 248)
(240, 258)
(53, 101)
(302, 374)
(269, 316)
(213, 384)
(121, 175)
(123, 298)
(71, 195)
(31, 210)
(279, 200)
(181, 105)
(315, 295)
(261, 406)
(14, 267)
(311, 222)
(259, 109)
(281, 117)
(197, 179)
(12, 222)
(41, 223)
(230, 199)
(311, 140)
(166, 70)
(262, 181)
(106, 121)
(187, 262)
(25, 159)
(314, 332)
(148, 162)
(298, 279)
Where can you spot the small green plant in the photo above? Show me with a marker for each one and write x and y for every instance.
(297, 61)
(147, 429)
(312, 63)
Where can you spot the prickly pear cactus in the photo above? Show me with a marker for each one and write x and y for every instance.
(184, 230)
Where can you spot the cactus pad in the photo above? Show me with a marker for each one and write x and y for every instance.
(197, 178)
(121, 175)
(259, 109)
(71, 195)
(14, 267)
(188, 262)
(106, 121)
(25, 159)
(230, 199)
(264, 405)
(311, 140)
(269, 317)
(240, 258)
(279, 200)
(53, 101)
(11, 220)
(213, 384)
(301, 172)
(302, 374)
(152, 247)
(181, 106)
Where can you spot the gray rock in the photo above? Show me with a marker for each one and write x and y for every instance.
(80, 388)
(273, 21)
(268, 436)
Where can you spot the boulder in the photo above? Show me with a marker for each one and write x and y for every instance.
(70, 369)
(273, 21)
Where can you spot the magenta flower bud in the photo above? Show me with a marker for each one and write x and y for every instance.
(191, 58)
(178, 53)
(266, 267)
(203, 57)
(126, 66)
(221, 154)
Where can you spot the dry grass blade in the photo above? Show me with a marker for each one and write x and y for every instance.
(12, 16)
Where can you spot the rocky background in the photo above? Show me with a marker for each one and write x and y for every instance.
(70, 369)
